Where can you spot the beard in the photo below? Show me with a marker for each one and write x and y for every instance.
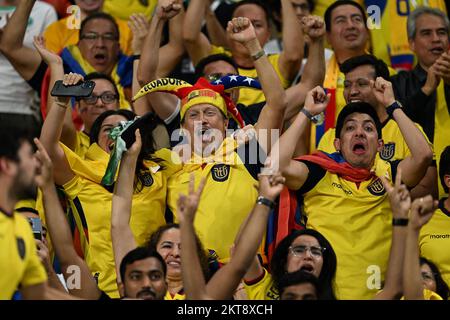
(22, 189)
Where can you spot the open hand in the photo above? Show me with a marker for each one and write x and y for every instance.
(48, 56)
(139, 27)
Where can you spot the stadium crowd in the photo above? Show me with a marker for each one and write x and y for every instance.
(226, 150)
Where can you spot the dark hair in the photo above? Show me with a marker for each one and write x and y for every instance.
(444, 166)
(140, 253)
(98, 75)
(258, 3)
(328, 272)
(295, 278)
(13, 136)
(200, 67)
(156, 236)
(334, 5)
(381, 69)
(441, 286)
(357, 107)
(99, 15)
(148, 143)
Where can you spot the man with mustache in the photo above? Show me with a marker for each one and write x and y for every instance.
(425, 90)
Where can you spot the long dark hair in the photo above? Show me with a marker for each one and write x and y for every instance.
(441, 286)
(328, 272)
(156, 236)
(148, 143)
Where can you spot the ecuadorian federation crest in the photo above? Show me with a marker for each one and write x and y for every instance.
(147, 179)
(388, 151)
(220, 172)
(376, 188)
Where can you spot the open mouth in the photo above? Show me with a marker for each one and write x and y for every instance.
(359, 148)
(100, 58)
(175, 264)
(307, 268)
(351, 36)
(437, 50)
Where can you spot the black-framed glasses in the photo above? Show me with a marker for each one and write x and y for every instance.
(301, 250)
(92, 36)
(106, 97)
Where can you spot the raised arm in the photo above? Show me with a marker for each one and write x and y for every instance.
(271, 117)
(51, 133)
(422, 210)
(163, 104)
(293, 42)
(122, 238)
(216, 32)
(55, 63)
(60, 232)
(25, 60)
(314, 72)
(414, 166)
(400, 200)
(196, 43)
(296, 172)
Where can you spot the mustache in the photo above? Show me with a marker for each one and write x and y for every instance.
(146, 291)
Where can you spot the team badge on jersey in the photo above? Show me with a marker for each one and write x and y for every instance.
(21, 247)
(220, 172)
(147, 179)
(388, 151)
(376, 188)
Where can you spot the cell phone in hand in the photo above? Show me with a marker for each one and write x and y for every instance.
(80, 90)
(145, 124)
(36, 226)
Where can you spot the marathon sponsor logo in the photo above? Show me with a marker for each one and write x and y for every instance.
(439, 236)
(339, 186)
(376, 188)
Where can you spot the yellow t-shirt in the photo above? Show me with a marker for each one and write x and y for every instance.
(58, 35)
(395, 147)
(428, 295)
(177, 296)
(226, 201)
(434, 241)
(441, 129)
(357, 223)
(248, 96)
(82, 144)
(91, 205)
(263, 289)
(19, 263)
(124, 8)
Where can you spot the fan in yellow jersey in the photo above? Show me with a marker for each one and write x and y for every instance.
(229, 166)
(123, 9)
(65, 32)
(20, 267)
(359, 72)
(90, 201)
(166, 240)
(434, 237)
(342, 195)
(348, 36)
(286, 64)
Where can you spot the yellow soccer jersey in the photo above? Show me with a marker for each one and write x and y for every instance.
(428, 295)
(82, 144)
(123, 9)
(177, 296)
(357, 223)
(59, 35)
(262, 289)
(248, 96)
(19, 263)
(395, 147)
(91, 205)
(434, 241)
(226, 201)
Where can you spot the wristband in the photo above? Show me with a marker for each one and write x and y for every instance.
(265, 201)
(258, 55)
(309, 115)
(400, 222)
(390, 109)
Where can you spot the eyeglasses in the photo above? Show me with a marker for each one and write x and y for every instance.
(428, 276)
(298, 251)
(106, 98)
(92, 36)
